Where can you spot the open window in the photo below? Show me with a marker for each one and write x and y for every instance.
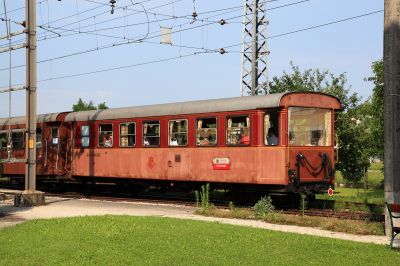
(54, 136)
(271, 129)
(206, 133)
(178, 133)
(17, 140)
(151, 133)
(238, 130)
(3, 141)
(38, 137)
(106, 135)
(127, 134)
(85, 138)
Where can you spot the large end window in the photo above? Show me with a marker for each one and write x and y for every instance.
(151, 133)
(238, 130)
(3, 140)
(178, 133)
(127, 133)
(85, 140)
(54, 136)
(106, 135)
(310, 127)
(271, 129)
(206, 134)
(18, 140)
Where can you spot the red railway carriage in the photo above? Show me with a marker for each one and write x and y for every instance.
(281, 142)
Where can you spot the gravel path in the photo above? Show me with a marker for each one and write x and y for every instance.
(61, 207)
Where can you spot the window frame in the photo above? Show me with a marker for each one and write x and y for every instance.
(23, 139)
(112, 135)
(226, 130)
(120, 135)
(6, 142)
(41, 137)
(187, 132)
(216, 131)
(331, 131)
(278, 129)
(85, 136)
(159, 134)
(51, 136)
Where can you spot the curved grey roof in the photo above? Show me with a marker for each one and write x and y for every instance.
(181, 108)
(19, 120)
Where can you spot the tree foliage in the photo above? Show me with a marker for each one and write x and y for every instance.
(84, 106)
(350, 136)
(374, 108)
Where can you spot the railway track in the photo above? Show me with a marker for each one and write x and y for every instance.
(179, 199)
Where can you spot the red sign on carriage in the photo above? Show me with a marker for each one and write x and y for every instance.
(330, 192)
(221, 163)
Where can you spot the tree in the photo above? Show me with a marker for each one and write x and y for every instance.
(83, 106)
(352, 159)
(375, 109)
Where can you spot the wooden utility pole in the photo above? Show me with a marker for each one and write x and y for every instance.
(391, 59)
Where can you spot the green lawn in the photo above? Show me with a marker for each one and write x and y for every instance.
(123, 240)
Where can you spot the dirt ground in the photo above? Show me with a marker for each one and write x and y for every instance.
(65, 207)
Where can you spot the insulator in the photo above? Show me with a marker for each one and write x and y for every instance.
(222, 22)
(222, 51)
(194, 15)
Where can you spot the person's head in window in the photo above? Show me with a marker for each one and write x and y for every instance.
(272, 139)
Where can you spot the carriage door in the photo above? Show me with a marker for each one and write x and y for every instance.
(56, 142)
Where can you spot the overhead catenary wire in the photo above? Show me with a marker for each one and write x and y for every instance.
(225, 47)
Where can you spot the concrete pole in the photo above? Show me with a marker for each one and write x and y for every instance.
(391, 60)
(30, 197)
(30, 173)
(254, 50)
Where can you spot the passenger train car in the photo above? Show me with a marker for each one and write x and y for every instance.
(278, 142)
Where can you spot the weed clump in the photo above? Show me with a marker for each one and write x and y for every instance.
(263, 207)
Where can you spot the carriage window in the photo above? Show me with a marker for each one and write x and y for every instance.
(3, 140)
(310, 127)
(17, 140)
(177, 133)
(271, 129)
(54, 135)
(206, 134)
(38, 137)
(151, 133)
(238, 130)
(106, 135)
(127, 135)
(85, 136)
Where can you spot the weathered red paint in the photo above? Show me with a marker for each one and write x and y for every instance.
(252, 164)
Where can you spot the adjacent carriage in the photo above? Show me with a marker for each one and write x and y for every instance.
(278, 142)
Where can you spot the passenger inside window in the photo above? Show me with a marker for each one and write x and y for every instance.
(271, 129)
(206, 134)
(178, 133)
(106, 136)
(151, 133)
(238, 130)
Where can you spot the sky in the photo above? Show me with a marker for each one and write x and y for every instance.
(190, 68)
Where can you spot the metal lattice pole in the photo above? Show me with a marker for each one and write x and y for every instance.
(254, 75)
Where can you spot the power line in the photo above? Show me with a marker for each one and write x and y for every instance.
(315, 27)
(130, 41)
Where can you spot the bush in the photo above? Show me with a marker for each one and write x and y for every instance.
(263, 207)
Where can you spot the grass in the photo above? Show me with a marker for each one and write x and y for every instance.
(374, 194)
(123, 240)
(357, 227)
